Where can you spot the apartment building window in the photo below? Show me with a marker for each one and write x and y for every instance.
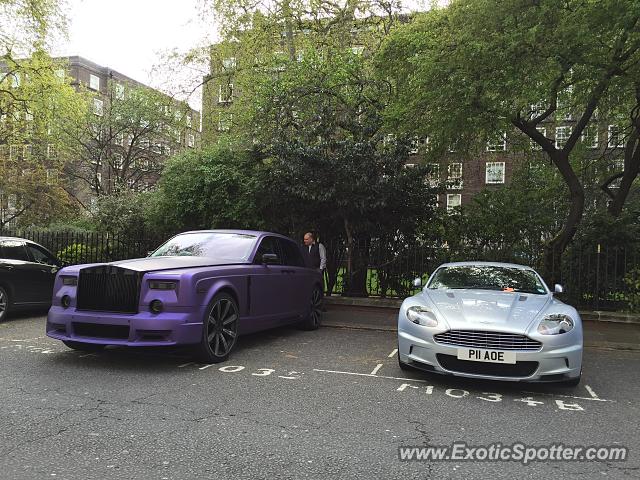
(534, 145)
(28, 150)
(131, 183)
(118, 161)
(409, 165)
(454, 200)
(4, 152)
(94, 82)
(590, 137)
(225, 93)
(191, 140)
(229, 63)
(98, 107)
(454, 175)
(15, 152)
(537, 109)
(52, 151)
(415, 146)
(357, 49)
(497, 144)
(389, 139)
(118, 91)
(12, 203)
(52, 176)
(119, 139)
(189, 120)
(562, 135)
(224, 121)
(616, 137)
(495, 172)
(432, 178)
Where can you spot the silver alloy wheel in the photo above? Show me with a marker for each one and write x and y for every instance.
(222, 327)
(3, 304)
(316, 307)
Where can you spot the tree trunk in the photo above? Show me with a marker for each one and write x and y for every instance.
(556, 247)
(357, 264)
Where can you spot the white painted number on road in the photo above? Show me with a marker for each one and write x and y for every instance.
(264, 372)
(231, 368)
(460, 394)
(568, 406)
(529, 401)
(491, 397)
(404, 386)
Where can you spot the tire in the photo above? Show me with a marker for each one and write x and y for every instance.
(5, 302)
(313, 318)
(84, 347)
(219, 329)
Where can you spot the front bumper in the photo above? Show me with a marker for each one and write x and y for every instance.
(142, 329)
(552, 363)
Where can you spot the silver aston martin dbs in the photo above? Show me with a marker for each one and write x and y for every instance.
(496, 321)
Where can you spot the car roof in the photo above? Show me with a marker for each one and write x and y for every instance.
(255, 233)
(17, 238)
(486, 264)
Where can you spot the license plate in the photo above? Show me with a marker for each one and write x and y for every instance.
(481, 355)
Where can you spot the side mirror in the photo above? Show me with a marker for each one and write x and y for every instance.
(270, 258)
(417, 282)
(558, 288)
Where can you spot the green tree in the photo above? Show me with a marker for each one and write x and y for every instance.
(35, 99)
(123, 139)
(474, 69)
(210, 188)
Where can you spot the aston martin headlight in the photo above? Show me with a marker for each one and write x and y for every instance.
(555, 324)
(422, 316)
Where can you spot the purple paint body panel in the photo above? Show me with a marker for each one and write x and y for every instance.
(111, 304)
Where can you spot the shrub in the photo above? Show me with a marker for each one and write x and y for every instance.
(78, 253)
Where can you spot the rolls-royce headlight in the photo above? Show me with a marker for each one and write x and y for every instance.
(555, 324)
(67, 280)
(422, 316)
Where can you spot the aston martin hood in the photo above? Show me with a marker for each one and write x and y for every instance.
(477, 308)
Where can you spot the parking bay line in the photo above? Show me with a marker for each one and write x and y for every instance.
(392, 354)
(375, 370)
(427, 381)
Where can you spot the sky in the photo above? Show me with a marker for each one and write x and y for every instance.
(131, 36)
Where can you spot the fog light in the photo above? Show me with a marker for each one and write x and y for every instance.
(155, 306)
(66, 301)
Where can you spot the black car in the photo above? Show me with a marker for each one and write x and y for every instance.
(27, 273)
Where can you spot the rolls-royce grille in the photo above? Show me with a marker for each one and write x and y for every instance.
(489, 340)
(518, 369)
(108, 288)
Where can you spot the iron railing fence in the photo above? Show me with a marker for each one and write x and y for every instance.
(598, 278)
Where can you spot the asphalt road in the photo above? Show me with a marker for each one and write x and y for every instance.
(290, 404)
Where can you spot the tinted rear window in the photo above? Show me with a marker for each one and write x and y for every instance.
(14, 250)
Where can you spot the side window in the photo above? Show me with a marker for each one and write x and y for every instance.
(14, 250)
(291, 253)
(267, 245)
(41, 256)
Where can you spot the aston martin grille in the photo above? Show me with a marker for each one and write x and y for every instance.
(489, 340)
(108, 288)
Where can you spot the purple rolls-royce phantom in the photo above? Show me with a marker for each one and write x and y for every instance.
(201, 288)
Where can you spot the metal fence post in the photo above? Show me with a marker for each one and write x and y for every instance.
(597, 292)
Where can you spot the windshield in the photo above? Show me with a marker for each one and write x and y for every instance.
(486, 277)
(224, 246)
